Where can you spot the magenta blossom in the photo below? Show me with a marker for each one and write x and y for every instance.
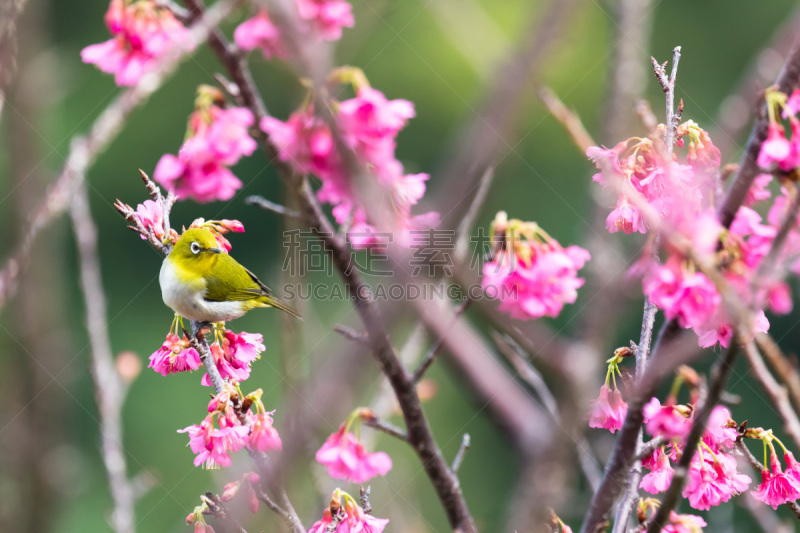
(234, 356)
(326, 18)
(345, 458)
(263, 436)
(668, 421)
(660, 475)
(608, 410)
(625, 218)
(260, 32)
(776, 149)
(776, 486)
(143, 35)
(212, 445)
(175, 355)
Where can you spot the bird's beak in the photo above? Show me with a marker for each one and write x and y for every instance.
(215, 250)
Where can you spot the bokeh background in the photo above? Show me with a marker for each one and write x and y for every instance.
(441, 55)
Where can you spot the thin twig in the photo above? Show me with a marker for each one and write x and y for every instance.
(647, 448)
(459, 458)
(571, 122)
(263, 203)
(351, 334)
(461, 248)
(719, 378)
(784, 369)
(434, 350)
(386, 427)
(109, 389)
(519, 360)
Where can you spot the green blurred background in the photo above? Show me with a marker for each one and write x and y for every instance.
(51, 474)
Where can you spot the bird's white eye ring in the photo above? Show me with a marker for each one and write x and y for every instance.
(195, 248)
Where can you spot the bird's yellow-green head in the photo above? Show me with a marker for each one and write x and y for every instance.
(196, 251)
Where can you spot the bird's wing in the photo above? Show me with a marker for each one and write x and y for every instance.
(232, 287)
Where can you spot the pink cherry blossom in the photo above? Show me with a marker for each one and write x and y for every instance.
(666, 421)
(196, 173)
(660, 475)
(626, 218)
(539, 286)
(345, 458)
(718, 432)
(702, 489)
(228, 136)
(690, 297)
(175, 355)
(608, 410)
(321, 526)
(259, 32)
(212, 445)
(263, 437)
(151, 216)
(776, 149)
(684, 523)
(759, 190)
(776, 487)
(142, 35)
(326, 18)
(356, 520)
(792, 106)
(234, 356)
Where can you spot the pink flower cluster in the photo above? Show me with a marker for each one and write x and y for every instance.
(175, 355)
(349, 517)
(218, 138)
(778, 487)
(143, 34)
(260, 33)
(325, 18)
(234, 354)
(684, 523)
(222, 433)
(345, 458)
(369, 124)
(673, 191)
(778, 152)
(608, 410)
(532, 274)
(713, 476)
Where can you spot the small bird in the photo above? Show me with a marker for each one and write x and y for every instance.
(201, 283)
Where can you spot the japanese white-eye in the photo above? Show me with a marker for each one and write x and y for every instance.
(200, 282)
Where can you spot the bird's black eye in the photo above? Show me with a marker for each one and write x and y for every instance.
(195, 248)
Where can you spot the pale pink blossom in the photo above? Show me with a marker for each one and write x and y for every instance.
(759, 191)
(260, 32)
(151, 216)
(263, 436)
(326, 18)
(718, 428)
(142, 35)
(626, 218)
(608, 410)
(345, 458)
(776, 149)
(684, 523)
(175, 355)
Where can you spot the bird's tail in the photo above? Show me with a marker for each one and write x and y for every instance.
(271, 301)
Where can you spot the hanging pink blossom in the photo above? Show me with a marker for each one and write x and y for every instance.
(660, 475)
(720, 429)
(608, 410)
(759, 191)
(345, 458)
(260, 33)
(776, 487)
(326, 18)
(143, 34)
(776, 149)
(263, 436)
(213, 445)
(234, 355)
(175, 355)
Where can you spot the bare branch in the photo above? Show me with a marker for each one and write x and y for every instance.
(571, 122)
(784, 369)
(427, 361)
(263, 203)
(351, 334)
(386, 427)
(459, 458)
